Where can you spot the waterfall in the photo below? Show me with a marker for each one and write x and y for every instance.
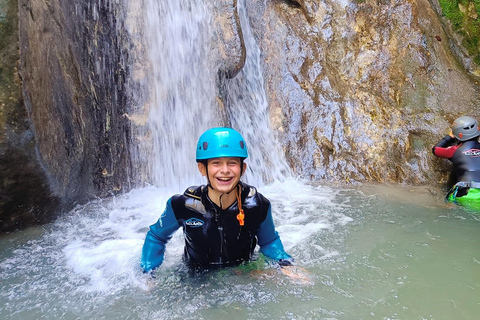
(182, 88)
(184, 95)
(248, 109)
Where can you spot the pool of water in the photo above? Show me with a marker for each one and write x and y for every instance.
(366, 252)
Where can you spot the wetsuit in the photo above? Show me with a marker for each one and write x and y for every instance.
(214, 236)
(465, 157)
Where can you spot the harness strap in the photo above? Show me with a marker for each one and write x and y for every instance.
(241, 214)
(452, 194)
(468, 184)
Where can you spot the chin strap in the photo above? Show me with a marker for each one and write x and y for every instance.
(241, 214)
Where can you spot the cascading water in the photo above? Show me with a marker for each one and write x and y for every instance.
(248, 109)
(184, 94)
(369, 252)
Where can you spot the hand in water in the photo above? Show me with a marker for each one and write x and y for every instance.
(293, 273)
(297, 274)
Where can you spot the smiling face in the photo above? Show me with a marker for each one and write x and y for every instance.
(223, 173)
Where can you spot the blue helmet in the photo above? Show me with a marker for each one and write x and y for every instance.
(221, 142)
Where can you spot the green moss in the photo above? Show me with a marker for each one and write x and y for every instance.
(464, 24)
(451, 10)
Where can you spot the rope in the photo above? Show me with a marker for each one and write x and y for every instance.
(241, 214)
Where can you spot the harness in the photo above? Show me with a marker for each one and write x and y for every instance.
(462, 186)
(190, 192)
(220, 238)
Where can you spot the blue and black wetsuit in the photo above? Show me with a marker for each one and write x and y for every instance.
(214, 236)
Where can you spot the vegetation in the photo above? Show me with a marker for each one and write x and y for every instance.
(465, 22)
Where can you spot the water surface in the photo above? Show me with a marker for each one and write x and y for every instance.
(371, 252)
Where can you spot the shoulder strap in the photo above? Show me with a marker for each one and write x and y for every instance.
(247, 190)
(194, 192)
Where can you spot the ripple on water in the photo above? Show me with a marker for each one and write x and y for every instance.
(368, 253)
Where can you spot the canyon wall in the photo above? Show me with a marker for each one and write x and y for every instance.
(358, 91)
(361, 90)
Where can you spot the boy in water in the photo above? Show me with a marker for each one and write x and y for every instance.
(222, 221)
(462, 148)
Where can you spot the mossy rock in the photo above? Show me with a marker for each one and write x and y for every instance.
(465, 18)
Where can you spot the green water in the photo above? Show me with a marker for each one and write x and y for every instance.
(380, 252)
(407, 256)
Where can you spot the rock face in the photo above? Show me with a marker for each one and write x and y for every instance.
(69, 113)
(229, 35)
(25, 198)
(74, 86)
(74, 70)
(360, 91)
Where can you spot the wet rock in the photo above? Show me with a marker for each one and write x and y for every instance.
(79, 110)
(358, 91)
(68, 127)
(25, 199)
(364, 88)
(229, 36)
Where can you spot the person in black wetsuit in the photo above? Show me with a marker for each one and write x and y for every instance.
(222, 221)
(462, 148)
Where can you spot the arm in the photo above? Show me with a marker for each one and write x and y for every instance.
(157, 237)
(445, 148)
(270, 243)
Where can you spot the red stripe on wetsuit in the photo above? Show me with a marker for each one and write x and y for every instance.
(443, 149)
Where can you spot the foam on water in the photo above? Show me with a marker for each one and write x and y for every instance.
(97, 247)
(301, 211)
(103, 240)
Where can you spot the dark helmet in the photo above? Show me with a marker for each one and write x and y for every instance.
(221, 142)
(465, 128)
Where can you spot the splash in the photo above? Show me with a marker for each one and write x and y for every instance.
(183, 88)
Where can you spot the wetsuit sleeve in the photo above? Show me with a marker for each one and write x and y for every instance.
(445, 148)
(157, 237)
(270, 243)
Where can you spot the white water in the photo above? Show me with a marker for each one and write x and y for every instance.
(369, 254)
(185, 94)
(183, 102)
(91, 256)
(183, 88)
(248, 109)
